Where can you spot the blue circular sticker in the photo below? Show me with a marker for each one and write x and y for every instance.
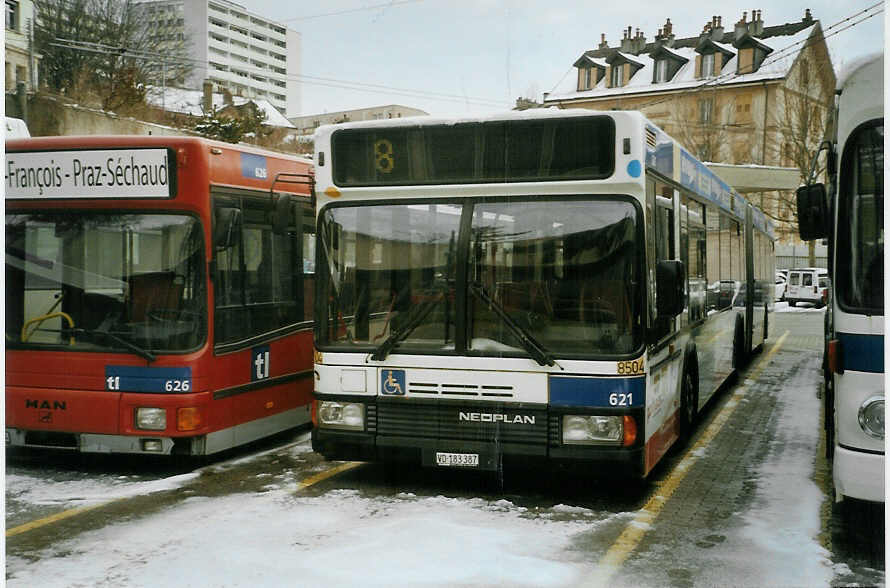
(634, 169)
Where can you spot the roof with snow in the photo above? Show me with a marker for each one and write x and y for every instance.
(190, 102)
(785, 42)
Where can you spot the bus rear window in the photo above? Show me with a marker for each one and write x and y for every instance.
(495, 151)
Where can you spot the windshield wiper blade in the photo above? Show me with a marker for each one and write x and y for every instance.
(535, 349)
(415, 317)
(130, 346)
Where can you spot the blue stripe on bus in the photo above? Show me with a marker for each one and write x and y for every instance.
(595, 392)
(862, 353)
(254, 166)
(129, 378)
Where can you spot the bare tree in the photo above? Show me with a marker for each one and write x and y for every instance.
(104, 51)
(700, 126)
(801, 125)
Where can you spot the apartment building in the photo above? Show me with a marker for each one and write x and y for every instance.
(306, 125)
(21, 63)
(236, 50)
(751, 94)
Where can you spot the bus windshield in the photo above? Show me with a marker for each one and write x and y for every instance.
(98, 281)
(861, 236)
(539, 277)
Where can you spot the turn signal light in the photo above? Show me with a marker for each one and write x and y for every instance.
(835, 357)
(630, 431)
(188, 418)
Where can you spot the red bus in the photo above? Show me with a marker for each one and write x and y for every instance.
(158, 294)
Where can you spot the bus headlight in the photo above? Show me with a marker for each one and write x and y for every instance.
(341, 415)
(871, 417)
(151, 419)
(592, 429)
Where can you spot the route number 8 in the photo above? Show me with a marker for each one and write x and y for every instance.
(383, 159)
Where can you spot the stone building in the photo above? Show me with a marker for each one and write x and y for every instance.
(20, 59)
(751, 94)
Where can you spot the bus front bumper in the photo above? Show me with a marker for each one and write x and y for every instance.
(98, 443)
(350, 446)
(858, 475)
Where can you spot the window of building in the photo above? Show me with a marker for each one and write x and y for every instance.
(743, 109)
(705, 110)
(661, 70)
(616, 75)
(707, 65)
(12, 15)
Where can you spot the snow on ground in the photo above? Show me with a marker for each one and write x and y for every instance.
(84, 490)
(801, 307)
(340, 538)
(781, 528)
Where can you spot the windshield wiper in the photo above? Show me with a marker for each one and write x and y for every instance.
(130, 346)
(535, 349)
(415, 317)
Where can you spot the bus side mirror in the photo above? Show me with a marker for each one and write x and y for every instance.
(281, 214)
(812, 212)
(670, 288)
(226, 227)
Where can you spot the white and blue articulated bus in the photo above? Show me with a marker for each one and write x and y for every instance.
(851, 215)
(562, 287)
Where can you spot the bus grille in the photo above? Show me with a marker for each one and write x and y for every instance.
(487, 423)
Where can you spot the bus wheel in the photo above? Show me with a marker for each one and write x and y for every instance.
(688, 406)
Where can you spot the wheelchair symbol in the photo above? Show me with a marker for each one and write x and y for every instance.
(393, 382)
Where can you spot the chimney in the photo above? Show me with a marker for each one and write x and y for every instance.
(807, 16)
(603, 43)
(207, 102)
(717, 28)
(627, 43)
(755, 27)
(666, 35)
(741, 27)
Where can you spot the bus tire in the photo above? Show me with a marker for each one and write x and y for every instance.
(688, 402)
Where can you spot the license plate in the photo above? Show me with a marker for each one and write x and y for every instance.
(466, 460)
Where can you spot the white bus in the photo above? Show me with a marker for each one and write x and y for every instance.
(545, 285)
(851, 216)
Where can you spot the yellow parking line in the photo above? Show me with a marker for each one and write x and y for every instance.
(59, 516)
(321, 476)
(636, 529)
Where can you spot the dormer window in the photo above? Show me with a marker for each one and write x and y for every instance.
(622, 68)
(590, 72)
(752, 52)
(667, 63)
(711, 58)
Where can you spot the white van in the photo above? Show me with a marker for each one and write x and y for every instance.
(807, 284)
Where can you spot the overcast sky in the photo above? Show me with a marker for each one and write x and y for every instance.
(477, 56)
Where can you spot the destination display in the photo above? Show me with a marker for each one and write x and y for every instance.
(109, 173)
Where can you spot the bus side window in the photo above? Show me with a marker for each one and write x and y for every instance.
(664, 246)
(260, 280)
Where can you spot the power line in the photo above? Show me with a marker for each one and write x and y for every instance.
(163, 58)
(351, 10)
